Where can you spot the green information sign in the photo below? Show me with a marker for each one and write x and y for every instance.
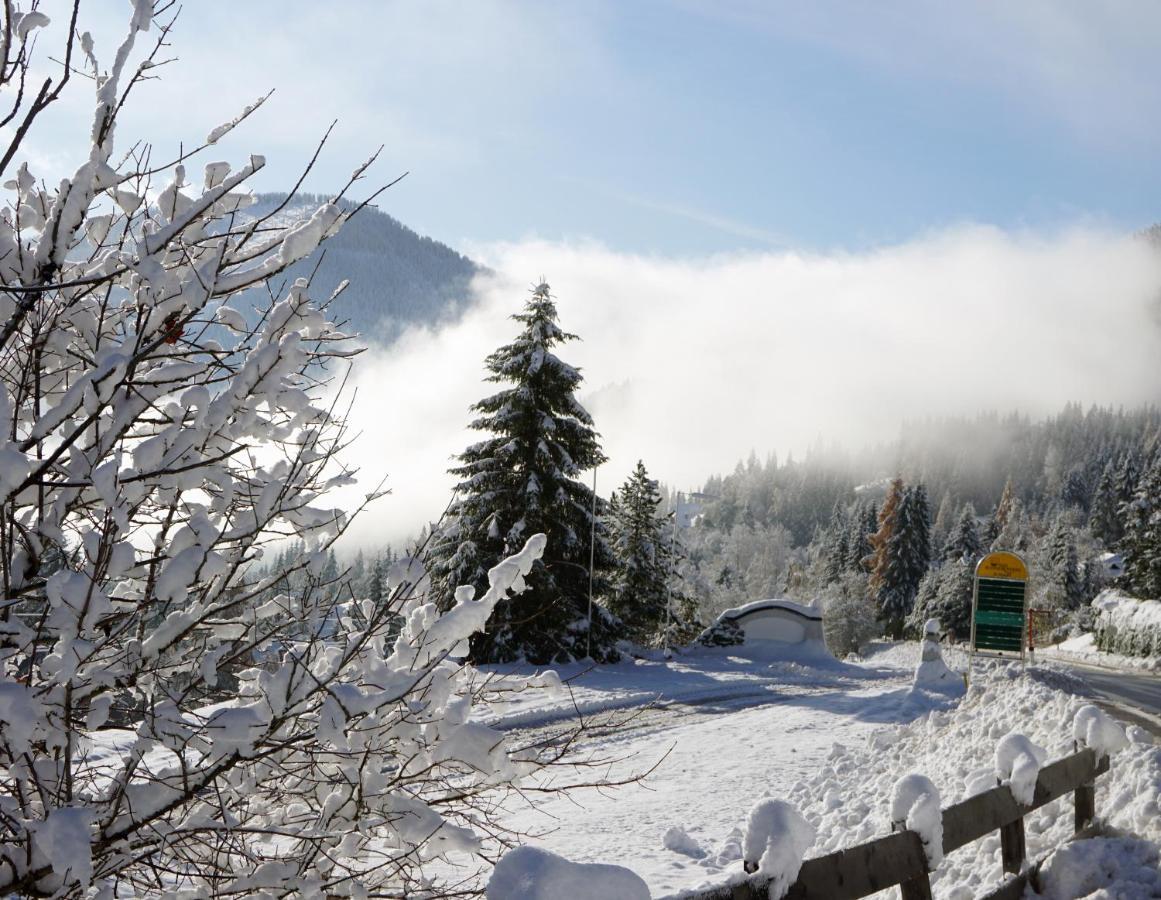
(999, 607)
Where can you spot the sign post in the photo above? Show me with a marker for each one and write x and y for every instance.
(999, 607)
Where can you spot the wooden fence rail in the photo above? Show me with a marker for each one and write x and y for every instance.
(898, 858)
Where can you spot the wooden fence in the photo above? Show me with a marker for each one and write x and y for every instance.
(898, 858)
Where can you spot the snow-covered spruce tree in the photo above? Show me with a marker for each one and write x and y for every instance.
(901, 554)
(964, 542)
(1104, 517)
(524, 480)
(945, 594)
(1142, 540)
(644, 576)
(1059, 578)
(155, 442)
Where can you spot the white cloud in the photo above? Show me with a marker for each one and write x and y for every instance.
(691, 364)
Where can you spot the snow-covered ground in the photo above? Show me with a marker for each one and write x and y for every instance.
(833, 740)
(729, 727)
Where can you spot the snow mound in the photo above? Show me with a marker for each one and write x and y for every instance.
(1095, 729)
(915, 805)
(1018, 763)
(678, 840)
(777, 838)
(528, 873)
(1128, 866)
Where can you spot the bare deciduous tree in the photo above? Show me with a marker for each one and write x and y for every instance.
(170, 720)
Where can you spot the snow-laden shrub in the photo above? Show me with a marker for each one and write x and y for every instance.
(723, 633)
(849, 620)
(1127, 625)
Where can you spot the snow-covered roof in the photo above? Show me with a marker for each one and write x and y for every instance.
(808, 612)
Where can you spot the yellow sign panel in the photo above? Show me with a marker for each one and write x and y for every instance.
(1002, 565)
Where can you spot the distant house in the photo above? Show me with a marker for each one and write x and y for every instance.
(690, 508)
(1112, 565)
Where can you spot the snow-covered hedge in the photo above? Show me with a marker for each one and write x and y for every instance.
(1127, 625)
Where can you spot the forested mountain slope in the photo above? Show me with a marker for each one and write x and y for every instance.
(397, 277)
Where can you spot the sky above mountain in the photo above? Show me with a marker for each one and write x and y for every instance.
(677, 128)
(772, 223)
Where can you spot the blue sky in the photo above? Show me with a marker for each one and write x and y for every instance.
(689, 128)
(772, 223)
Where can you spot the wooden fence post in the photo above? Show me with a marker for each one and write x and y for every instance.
(1012, 851)
(918, 888)
(1084, 801)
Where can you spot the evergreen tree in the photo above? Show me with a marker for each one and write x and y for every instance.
(964, 541)
(645, 561)
(944, 521)
(523, 480)
(1014, 535)
(945, 594)
(1061, 577)
(892, 582)
(1142, 515)
(1004, 508)
(1104, 518)
(836, 547)
(860, 551)
(918, 532)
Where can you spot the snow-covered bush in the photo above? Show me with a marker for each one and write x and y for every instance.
(849, 619)
(1126, 625)
(159, 433)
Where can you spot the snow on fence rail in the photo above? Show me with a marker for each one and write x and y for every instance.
(899, 858)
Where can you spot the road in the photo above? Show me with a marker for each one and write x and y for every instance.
(1134, 695)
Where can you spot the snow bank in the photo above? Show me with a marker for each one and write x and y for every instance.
(1082, 648)
(1018, 763)
(915, 805)
(528, 873)
(777, 838)
(1128, 626)
(1128, 867)
(846, 799)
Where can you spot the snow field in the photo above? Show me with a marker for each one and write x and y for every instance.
(683, 826)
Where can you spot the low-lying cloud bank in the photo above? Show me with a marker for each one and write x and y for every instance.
(690, 364)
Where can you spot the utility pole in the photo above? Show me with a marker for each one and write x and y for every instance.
(669, 575)
(592, 560)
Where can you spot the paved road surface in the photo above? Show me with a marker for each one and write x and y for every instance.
(1127, 692)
